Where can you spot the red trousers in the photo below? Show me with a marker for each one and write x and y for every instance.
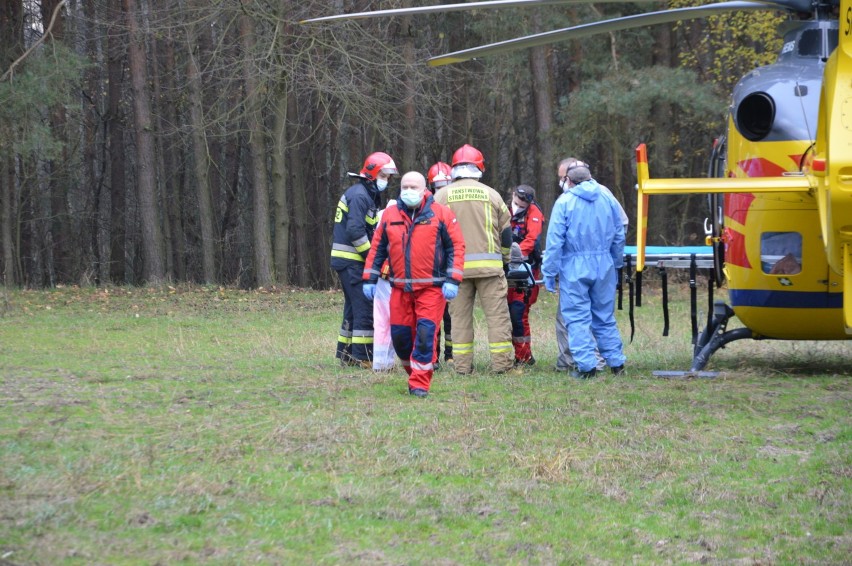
(415, 318)
(519, 313)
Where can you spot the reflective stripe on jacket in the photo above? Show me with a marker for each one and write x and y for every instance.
(354, 224)
(485, 224)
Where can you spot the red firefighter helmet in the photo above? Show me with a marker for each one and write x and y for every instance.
(377, 162)
(439, 175)
(469, 154)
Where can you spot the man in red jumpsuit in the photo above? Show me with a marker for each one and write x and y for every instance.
(527, 224)
(423, 244)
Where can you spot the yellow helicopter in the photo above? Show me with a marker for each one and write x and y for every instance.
(780, 189)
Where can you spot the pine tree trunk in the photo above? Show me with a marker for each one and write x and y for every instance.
(201, 162)
(280, 199)
(152, 236)
(263, 268)
(58, 231)
(299, 202)
(169, 157)
(7, 180)
(117, 232)
(543, 108)
(409, 141)
(11, 47)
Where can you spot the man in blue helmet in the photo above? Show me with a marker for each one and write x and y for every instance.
(585, 247)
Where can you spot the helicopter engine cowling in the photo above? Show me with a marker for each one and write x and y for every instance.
(780, 102)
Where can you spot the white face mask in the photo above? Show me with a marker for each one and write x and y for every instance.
(381, 184)
(563, 184)
(516, 209)
(411, 197)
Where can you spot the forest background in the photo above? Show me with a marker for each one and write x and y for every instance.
(146, 141)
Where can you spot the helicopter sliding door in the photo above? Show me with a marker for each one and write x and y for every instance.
(779, 283)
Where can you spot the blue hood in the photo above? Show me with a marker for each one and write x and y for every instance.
(587, 190)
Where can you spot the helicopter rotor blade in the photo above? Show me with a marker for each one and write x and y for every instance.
(441, 8)
(803, 6)
(584, 30)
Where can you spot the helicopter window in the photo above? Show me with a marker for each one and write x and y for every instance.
(810, 43)
(781, 253)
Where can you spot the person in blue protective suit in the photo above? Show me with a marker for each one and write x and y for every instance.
(564, 358)
(585, 247)
(354, 223)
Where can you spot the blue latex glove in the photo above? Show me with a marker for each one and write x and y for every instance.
(450, 290)
(369, 290)
(550, 284)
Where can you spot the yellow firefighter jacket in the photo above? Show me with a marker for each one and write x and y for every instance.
(485, 222)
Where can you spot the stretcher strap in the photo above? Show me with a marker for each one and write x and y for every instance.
(628, 269)
(693, 296)
(665, 289)
(620, 287)
(710, 284)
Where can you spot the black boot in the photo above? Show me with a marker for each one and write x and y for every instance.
(584, 374)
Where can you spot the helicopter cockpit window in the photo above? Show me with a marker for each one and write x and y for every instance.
(810, 43)
(781, 253)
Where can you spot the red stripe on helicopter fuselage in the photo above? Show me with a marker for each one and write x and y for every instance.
(760, 167)
(737, 207)
(735, 249)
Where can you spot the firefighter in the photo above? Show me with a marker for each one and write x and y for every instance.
(527, 224)
(439, 175)
(485, 224)
(423, 245)
(354, 224)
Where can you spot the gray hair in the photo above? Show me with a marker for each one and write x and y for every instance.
(578, 173)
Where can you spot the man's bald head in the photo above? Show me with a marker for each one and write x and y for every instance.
(413, 180)
(412, 187)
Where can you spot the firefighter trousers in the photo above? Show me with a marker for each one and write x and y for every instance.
(355, 341)
(492, 298)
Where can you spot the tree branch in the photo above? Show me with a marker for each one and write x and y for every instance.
(40, 40)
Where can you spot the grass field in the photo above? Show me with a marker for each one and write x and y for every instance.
(207, 425)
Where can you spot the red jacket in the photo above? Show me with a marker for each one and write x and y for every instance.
(423, 251)
(526, 230)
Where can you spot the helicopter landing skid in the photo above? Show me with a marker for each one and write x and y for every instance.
(715, 336)
(685, 374)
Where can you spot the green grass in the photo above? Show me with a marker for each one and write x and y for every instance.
(204, 425)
